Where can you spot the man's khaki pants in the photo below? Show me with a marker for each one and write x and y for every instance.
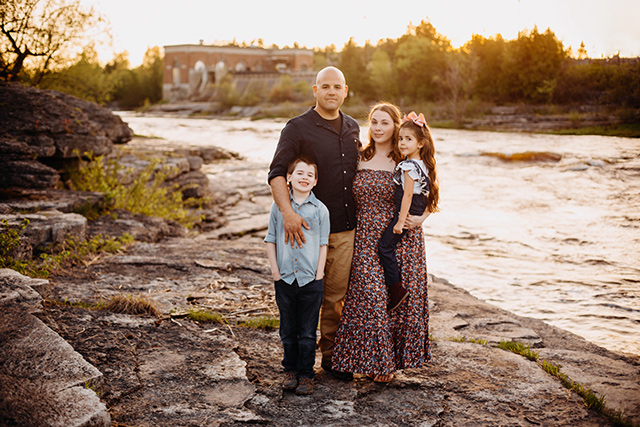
(336, 280)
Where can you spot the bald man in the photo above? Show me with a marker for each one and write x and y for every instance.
(331, 139)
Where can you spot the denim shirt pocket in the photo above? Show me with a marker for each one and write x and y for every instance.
(314, 224)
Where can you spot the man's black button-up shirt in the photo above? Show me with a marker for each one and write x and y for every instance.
(336, 157)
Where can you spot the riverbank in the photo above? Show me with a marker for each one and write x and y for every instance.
(523, 234)
(579, 120)
(169, 369)
(194, 354)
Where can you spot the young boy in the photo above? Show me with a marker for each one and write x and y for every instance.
(297, 272)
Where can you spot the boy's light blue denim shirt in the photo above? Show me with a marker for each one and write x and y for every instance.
(300, 263)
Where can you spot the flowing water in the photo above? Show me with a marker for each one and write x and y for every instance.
(543, 226)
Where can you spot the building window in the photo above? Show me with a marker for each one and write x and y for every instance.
(175, 72)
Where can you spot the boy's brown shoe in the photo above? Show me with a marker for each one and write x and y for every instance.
(290, 381)
(305, 386)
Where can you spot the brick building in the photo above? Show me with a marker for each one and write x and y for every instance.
(189, 68)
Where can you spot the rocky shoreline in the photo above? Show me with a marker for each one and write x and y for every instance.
(66, 360)
(170, 370)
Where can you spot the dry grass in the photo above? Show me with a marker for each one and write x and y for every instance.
(128, 304)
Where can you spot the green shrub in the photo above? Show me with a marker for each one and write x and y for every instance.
(74, 251)
(147, 194)
(282, 91)
(9, 244)
(71, 252)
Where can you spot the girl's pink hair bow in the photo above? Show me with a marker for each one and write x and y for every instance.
(417, 119)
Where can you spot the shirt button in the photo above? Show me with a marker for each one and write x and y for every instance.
(344, 171)
(345, 188)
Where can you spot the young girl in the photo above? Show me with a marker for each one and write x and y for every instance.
(416, 191)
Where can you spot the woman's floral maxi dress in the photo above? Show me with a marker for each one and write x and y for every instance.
(370, 340)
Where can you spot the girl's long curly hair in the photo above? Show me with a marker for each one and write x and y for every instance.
(427, 154)
(370, 149)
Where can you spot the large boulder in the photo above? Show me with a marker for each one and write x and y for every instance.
(20, 167)
(40, 130)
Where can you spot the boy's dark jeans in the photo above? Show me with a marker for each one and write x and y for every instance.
(389, 240)
(299, 310)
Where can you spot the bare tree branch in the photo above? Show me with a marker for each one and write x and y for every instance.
(40, 33)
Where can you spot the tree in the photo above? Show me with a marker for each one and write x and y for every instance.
(134, 88)
(353, 65)
(421, 62)
(120, 61)
(425, 30)
(127, 90)
(151, 74)
(487, 56)
(624, 89)
(319, 59)
(458, 84)
(420, 68)
(582, 51)
(41, 31)
(532, 65)
(383, 82)
(84, 79)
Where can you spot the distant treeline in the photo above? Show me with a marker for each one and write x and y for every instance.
(534, 68)
(420, 66)
(115, 83)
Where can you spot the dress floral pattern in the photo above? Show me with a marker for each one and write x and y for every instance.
(369, 339)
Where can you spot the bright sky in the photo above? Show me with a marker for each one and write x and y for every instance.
(606, 26)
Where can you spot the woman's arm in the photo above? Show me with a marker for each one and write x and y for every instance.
(413, 221)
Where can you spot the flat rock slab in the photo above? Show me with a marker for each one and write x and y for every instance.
(464, 384)
(202, 374)
(17, 292)
(160, 373)
(37, 200)
(171, 370)
(43, 380)
(457, 314)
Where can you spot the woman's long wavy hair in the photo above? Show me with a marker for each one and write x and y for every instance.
(370, 149)
(427, 154)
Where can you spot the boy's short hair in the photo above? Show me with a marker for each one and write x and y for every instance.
(304, 159)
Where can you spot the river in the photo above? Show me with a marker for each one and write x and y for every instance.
(556, 237)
